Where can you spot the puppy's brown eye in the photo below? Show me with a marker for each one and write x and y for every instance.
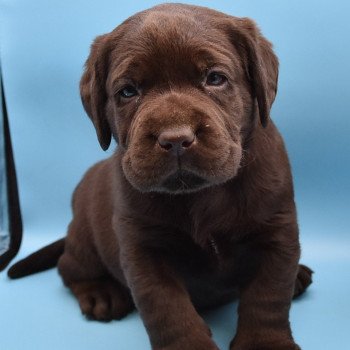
(128, 92)
(215, 79)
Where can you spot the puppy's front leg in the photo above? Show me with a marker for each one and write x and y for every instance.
(171, 321)
(263, 322)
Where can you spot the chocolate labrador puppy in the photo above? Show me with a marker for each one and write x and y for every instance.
(196, 205)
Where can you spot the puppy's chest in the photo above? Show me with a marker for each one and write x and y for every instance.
(220, 239)
(215, 235)
(212, 273)
(217, 258)
(226, 256)
(205, 241)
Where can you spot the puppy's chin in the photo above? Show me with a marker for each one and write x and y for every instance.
(182, 181)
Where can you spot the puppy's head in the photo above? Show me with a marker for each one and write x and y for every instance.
(180, 88)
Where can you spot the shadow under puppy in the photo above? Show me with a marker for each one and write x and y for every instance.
(196, 205)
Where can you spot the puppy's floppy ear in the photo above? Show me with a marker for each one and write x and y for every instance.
(93, 91)
(260, 63)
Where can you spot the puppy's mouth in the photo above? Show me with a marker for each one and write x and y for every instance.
(183, 181)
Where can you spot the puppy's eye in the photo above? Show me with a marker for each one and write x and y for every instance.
(215, 79)
(128, 91)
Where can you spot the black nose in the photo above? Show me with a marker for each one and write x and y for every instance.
(176, 141)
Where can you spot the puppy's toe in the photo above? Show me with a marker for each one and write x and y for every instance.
(86, 303)
(102, 309)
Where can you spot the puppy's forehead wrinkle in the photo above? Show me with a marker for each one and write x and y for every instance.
(167, 45)
(120, 73)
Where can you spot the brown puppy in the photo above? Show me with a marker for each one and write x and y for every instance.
(196, 205)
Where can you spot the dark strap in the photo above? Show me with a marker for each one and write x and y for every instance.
(14, 210)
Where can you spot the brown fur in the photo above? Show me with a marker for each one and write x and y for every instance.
(176, 233)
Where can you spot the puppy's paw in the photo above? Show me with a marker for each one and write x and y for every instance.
(304, 279)
(103, 300)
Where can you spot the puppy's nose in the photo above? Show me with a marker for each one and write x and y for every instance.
(176, 141)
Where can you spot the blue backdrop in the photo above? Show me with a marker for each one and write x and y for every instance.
(43, 47)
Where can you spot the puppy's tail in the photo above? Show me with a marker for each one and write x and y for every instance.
(41, 260)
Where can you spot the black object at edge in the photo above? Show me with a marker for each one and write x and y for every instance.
(14, 210)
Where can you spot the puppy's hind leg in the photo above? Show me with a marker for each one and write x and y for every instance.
(101, 297)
